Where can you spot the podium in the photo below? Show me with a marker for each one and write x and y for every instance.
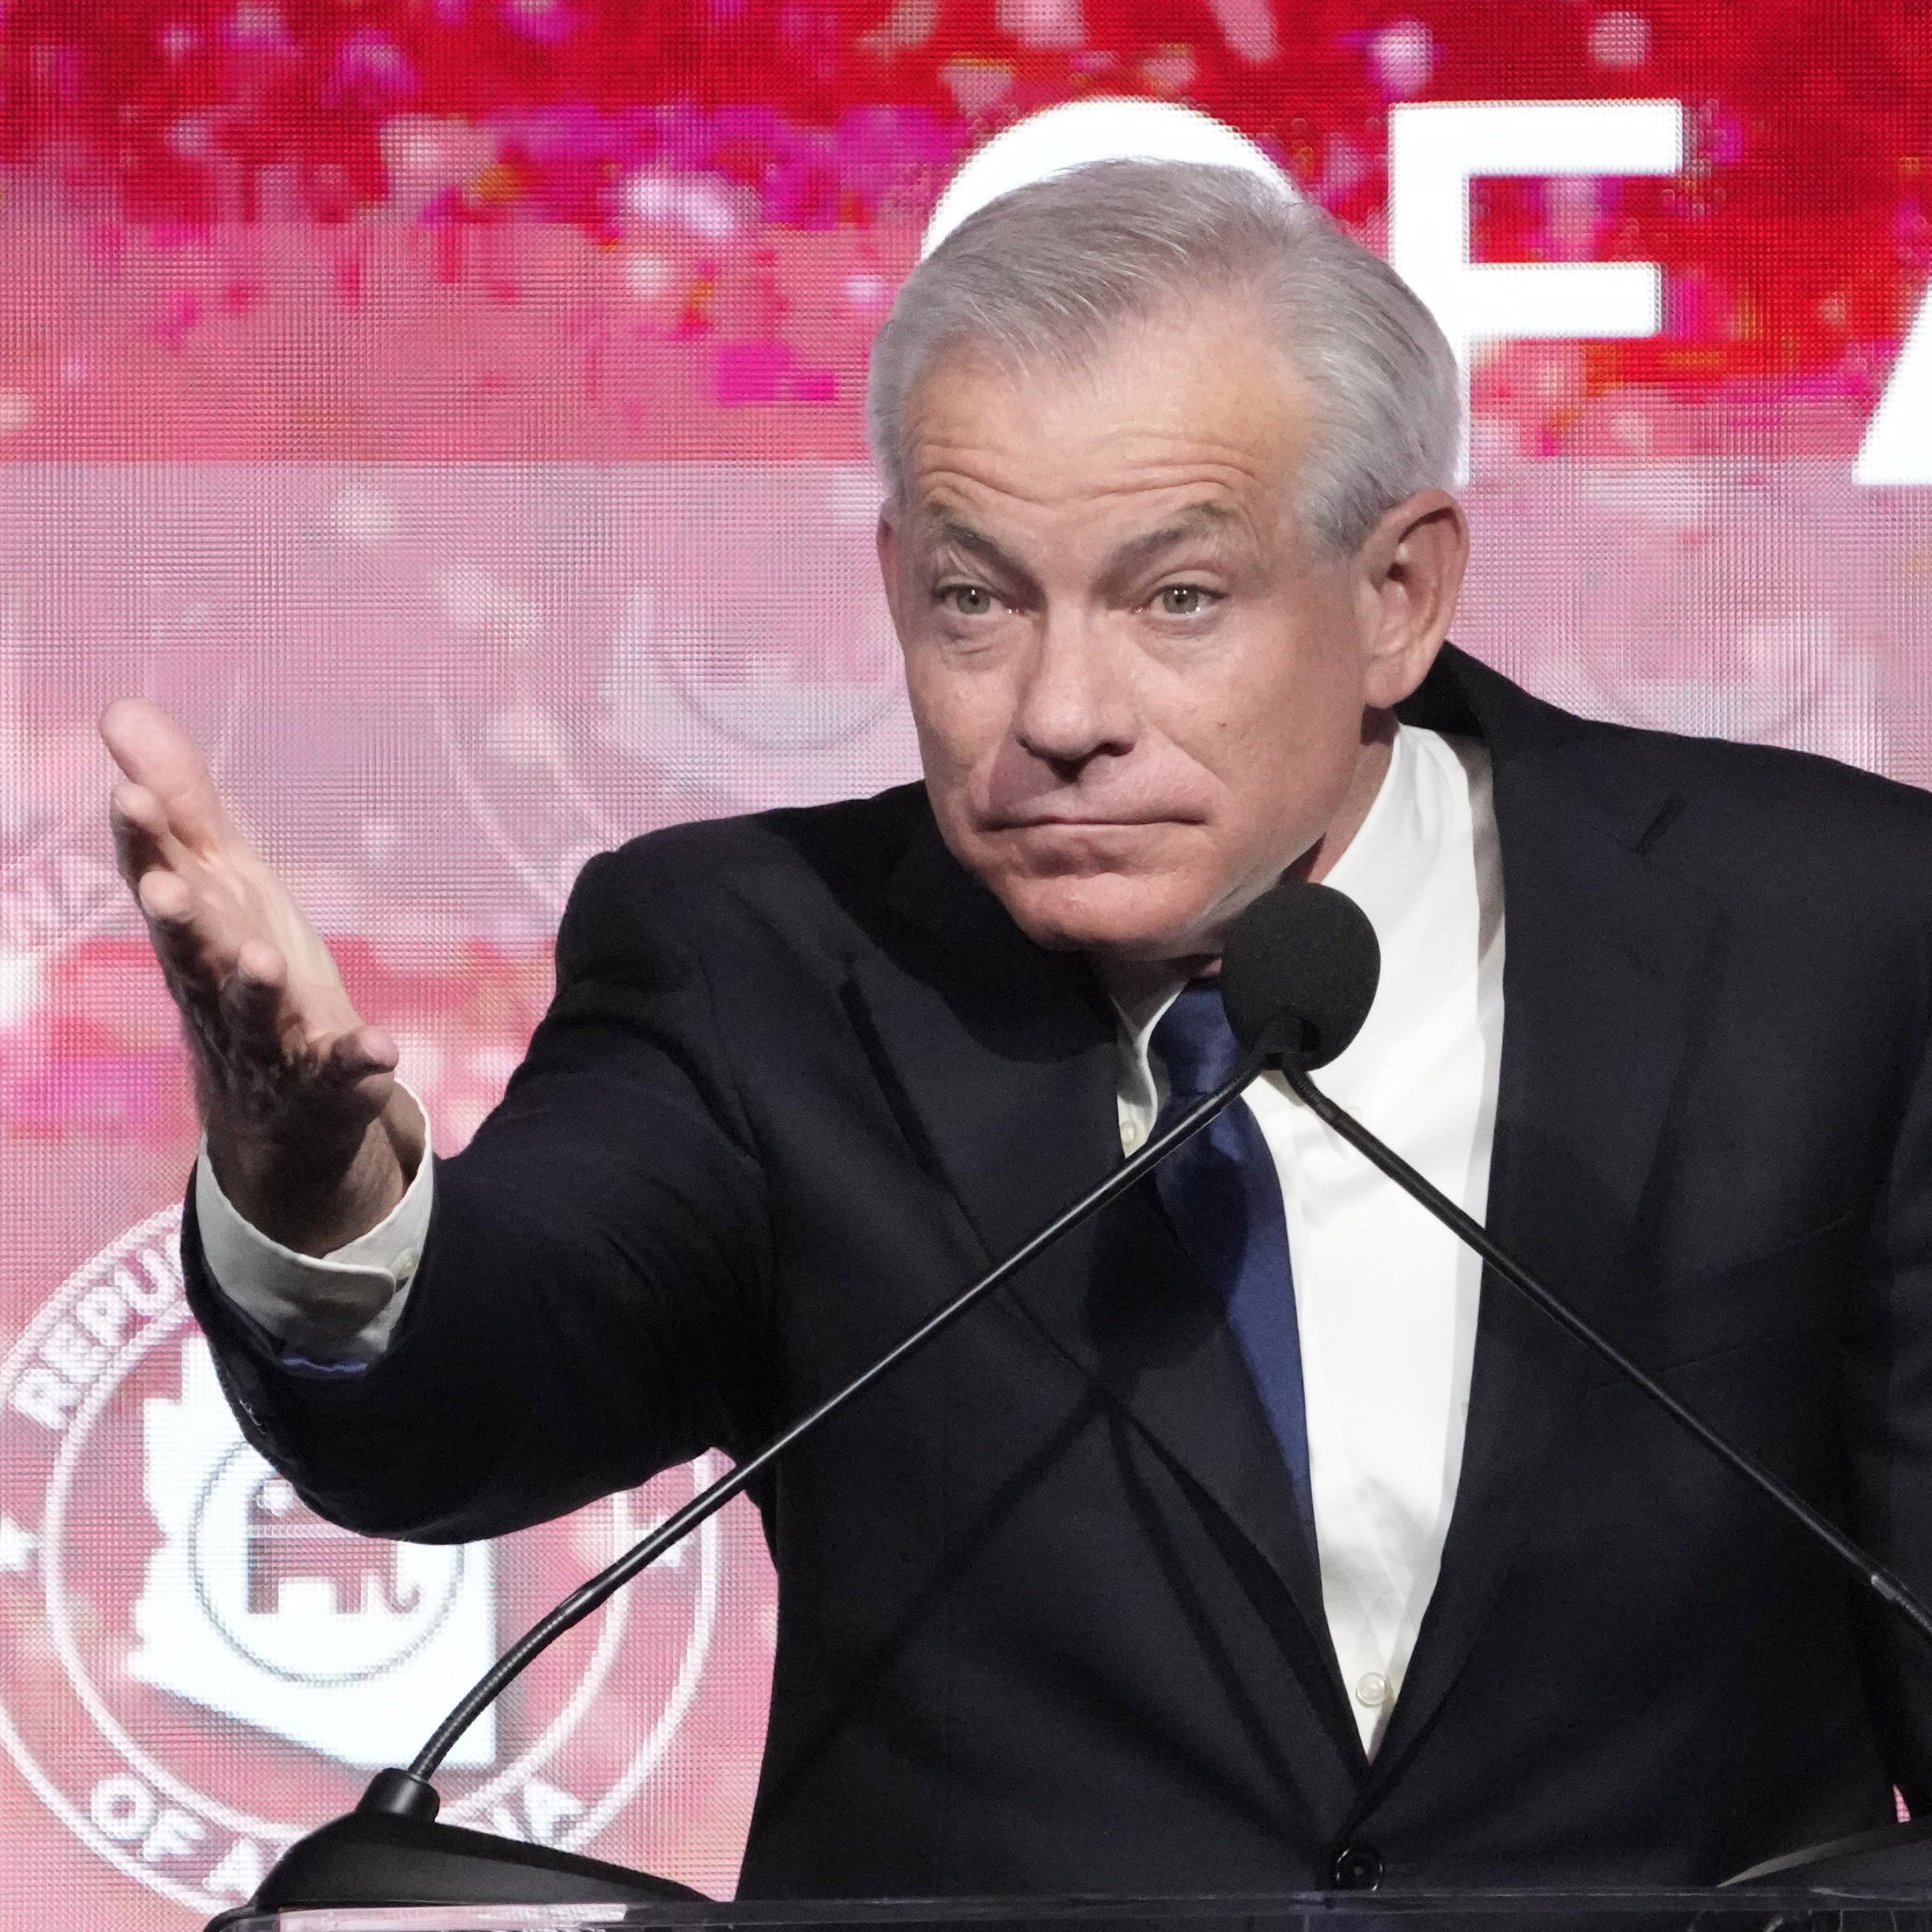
(1733, 1909)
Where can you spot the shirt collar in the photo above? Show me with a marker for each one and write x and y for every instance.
(1386, 867)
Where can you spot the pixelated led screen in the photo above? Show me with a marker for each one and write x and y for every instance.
(452, 408)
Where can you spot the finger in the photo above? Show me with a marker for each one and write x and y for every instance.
(142, 839)
(359, 1068)
(362, 1052)
(233, 898)
(154, 751)
(187, 938)
(253, 997)
(166, 898)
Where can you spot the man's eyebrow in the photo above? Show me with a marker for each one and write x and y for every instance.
(955, 534)
(1209, 517)
(961, 536)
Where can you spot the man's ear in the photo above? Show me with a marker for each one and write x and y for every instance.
(1409, 575)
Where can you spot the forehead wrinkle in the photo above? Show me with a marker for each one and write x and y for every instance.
(948, 491)
(1196, 411)
(1207, 518)
(985, 468)
(1026, 463)
(941, 526)
(1154, 453)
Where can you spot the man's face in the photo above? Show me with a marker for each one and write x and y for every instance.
(1143, 690)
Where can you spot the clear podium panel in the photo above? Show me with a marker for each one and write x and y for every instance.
(1513, 1911)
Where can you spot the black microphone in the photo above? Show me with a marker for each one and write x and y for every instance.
(1300, 983)
(1301, 945)
(1299, 972)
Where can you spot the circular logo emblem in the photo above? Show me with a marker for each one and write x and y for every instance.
(1670, 621)
(199, 1669)
(567, 725)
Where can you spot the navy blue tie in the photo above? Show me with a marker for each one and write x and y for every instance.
(1223, 1199)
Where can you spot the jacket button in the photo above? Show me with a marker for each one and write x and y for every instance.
(1357, 1868)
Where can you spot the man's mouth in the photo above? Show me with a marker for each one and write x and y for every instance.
(1104, 822)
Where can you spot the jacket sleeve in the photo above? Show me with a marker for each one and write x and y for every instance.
(1888, 1391)
(588, 1308)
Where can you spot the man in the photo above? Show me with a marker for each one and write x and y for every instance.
(1252, 1546)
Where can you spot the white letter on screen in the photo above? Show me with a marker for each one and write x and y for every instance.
(1437, 149)
(1897, 445)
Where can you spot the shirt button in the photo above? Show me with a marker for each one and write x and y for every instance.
(1372, 1689)
(405, 1264)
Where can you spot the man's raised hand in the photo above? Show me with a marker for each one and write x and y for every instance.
(310, 1137)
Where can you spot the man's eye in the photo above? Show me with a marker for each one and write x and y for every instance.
(1181, 600)
(967, 600)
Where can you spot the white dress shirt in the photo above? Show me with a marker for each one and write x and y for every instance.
(1386, 1298)
(284, 1291)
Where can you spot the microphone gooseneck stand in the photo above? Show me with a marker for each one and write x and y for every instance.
(1895, 1594)
(390, 1851)
(1888, 1857)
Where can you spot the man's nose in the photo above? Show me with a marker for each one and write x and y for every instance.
(1073, 703)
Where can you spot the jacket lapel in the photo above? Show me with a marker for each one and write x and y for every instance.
(1601, 987)
(999, 1056)
(1003, 1061)
(1141, 1321)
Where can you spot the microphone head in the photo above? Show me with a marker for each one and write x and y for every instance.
(1299, 972)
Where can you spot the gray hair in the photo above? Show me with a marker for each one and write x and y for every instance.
(1053, 270)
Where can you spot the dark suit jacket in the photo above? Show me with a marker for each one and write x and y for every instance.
(1049, 1622)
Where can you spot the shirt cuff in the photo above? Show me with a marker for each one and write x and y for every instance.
(337, 1309)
